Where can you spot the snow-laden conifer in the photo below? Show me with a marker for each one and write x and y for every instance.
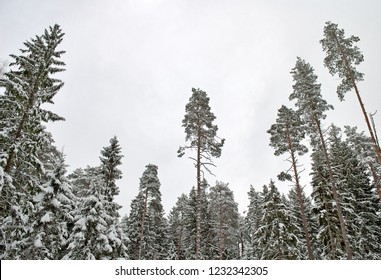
(276, 235)
(224, 221)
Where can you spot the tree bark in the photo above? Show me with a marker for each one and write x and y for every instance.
(375, 144)
(142, 225)
(299, 192)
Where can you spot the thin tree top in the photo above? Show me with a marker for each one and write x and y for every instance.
(342, 56)
(288, 130)
(306, 92)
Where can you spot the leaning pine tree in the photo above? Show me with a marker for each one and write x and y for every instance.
(342, 57)
(202, 135)
(286, 136)
(312, 107)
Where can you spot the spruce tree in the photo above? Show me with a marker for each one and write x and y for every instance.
(358, 202)
(148, 229)
(53, 221)
(224, 220)
(286, 136)
(253, 223)
(311, 105)
(276, 236)
(28, 85)
(202, 135)
(342, 57)
(176, 220)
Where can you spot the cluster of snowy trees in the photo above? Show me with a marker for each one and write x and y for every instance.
(48, 214)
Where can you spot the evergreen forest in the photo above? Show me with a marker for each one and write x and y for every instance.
(50, 214)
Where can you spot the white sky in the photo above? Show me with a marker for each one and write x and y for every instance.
(131, 65)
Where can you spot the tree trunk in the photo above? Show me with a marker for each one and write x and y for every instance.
(220, 233)
(180, 238)
(375, 144)
(348, 249)
(142, 225)
(376, 180)
(198, 198)
(299, 192)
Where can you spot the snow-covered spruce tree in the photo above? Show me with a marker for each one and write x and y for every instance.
(224, 220)
(148, 228)
(342, 56)
(286, 136)
(134, 225)
(253, 223)
(362, 146)
(176, 220)
(202, 135)
(329, 235)
(110, 160)
(97, 232)
(28, 85)
(297, 220)
(276, 237)
(357, 199)
(190, 229)
(88, 239)
(52, 221)
(312, 107)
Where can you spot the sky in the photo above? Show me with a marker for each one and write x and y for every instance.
(131, 65)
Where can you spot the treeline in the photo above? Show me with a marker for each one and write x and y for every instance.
(47, 214)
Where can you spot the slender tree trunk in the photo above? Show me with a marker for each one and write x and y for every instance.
(348, 249)
(180, 238)
(220, 233)
(376, 180)
(300, 198)
(142, 225)
(375, 144)
(198, 198)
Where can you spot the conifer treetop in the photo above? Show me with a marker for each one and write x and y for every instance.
(342, 57)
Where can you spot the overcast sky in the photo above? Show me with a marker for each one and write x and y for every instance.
(131, 65)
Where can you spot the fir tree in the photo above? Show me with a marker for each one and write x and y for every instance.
(53, 220)
(148, 230)
(176, 220)
(253, 223)
(358, 202)
(224, 220)
(202, 135)
(276, 235)
(23, 138)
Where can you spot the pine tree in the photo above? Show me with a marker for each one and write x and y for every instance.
(286, 135)
(342, 57)
(202, 135)
(224, 219)
(23, 138)
(312, 107)
(276, 235)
